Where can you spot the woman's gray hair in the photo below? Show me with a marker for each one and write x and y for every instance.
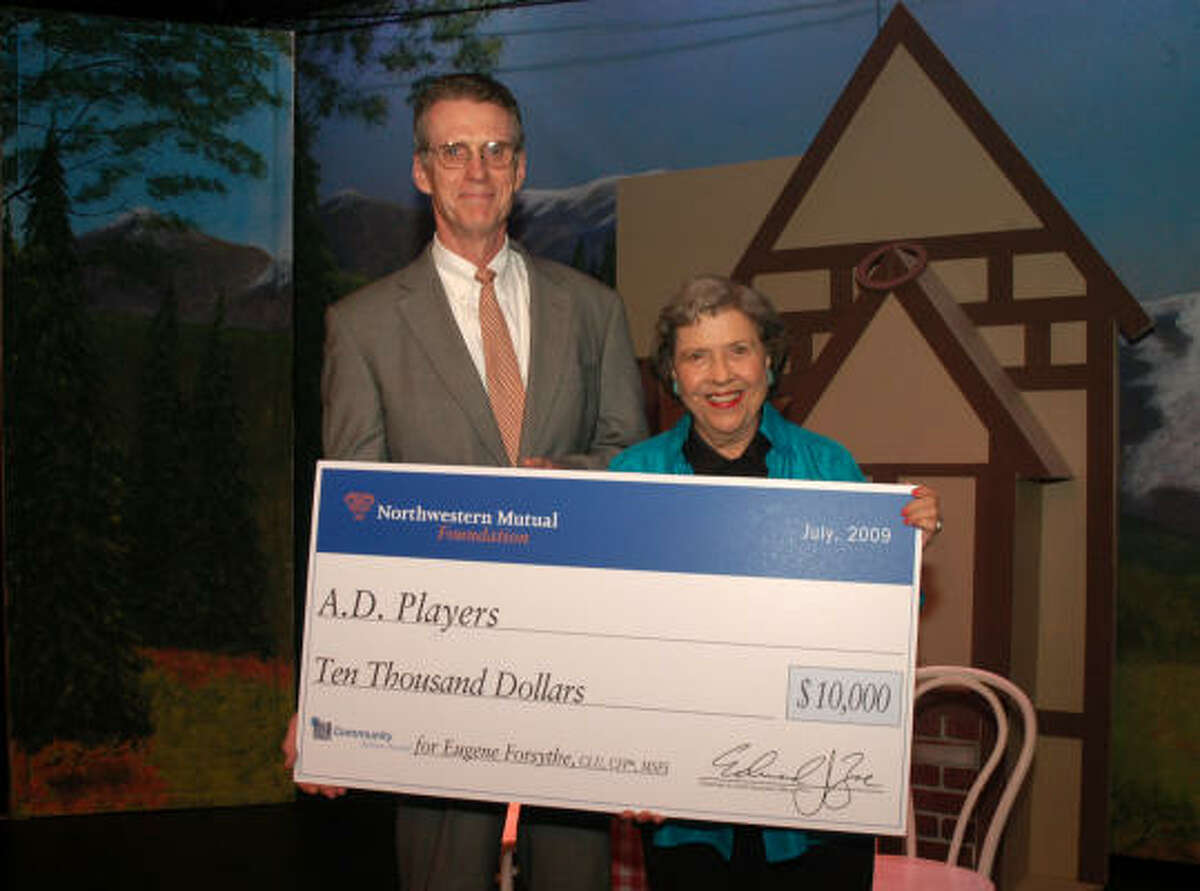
(706, 295)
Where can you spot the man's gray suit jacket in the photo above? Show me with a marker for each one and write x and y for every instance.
(398, 383)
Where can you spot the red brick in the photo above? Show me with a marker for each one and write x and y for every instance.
(958, 778)
(938, 802)
(926, 775)
(927, 826)
(928, 724)
(963, 727)
(890, 844)
(933, 850)
(946, 753)
(948, 825)
(969, 835)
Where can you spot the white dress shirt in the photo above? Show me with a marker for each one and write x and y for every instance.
(512, 293)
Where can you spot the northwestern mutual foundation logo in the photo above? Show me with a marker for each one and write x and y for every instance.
(322, 730)
(359, 503)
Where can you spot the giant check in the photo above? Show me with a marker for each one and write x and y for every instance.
(734, 650)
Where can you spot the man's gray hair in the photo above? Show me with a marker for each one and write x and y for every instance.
(477, 88)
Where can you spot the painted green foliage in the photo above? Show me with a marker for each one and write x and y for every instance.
(1156, 697)
(195, 753)
(118, 110)
(64, 542)
(102, 528)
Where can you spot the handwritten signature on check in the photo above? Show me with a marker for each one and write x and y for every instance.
(825, 781)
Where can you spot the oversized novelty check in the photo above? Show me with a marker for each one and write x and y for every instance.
(738, 650)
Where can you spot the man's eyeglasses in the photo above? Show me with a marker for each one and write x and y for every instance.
(459, 154)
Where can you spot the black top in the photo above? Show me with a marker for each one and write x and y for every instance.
(706, 460)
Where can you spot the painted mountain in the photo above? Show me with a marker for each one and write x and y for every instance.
(128, 264)
(576, 225)
(371, 237)
(1160, 426)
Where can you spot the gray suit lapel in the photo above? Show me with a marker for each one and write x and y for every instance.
(423, 306)
(550, 316)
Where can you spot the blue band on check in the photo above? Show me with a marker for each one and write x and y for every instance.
(767, 531)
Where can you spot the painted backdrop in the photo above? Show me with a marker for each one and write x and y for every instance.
(147, 413)
(1099, 97)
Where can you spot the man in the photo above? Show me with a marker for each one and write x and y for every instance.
(405, 376)
(425, 365)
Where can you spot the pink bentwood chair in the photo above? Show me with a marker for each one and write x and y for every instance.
(908, 872)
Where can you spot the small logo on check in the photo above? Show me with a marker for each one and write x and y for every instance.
(359, 503)
(322, 730)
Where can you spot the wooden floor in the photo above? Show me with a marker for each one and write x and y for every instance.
(311, 844)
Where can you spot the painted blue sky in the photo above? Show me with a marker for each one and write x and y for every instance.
(254, 210)
(1100, 95)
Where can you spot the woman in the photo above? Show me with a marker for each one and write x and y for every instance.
(720, 347)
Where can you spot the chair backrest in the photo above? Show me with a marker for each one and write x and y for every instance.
(986, 685)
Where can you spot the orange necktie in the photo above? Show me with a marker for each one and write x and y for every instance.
(505, 390)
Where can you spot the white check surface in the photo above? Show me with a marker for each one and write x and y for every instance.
(775, 701)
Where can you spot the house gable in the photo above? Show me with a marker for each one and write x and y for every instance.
(940, 336)
(917, 172)
(914, 413)
(903, 116)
